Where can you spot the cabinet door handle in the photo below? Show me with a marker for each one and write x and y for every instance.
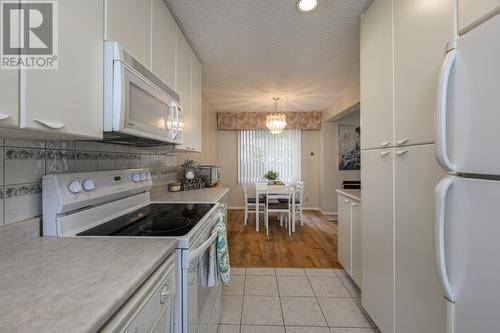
(401, 152)
(346, 200)
(4, 116)
(402, 141)
(164, 294)
(441, 105)
(384, 153)
(385, 143)
(50, 124)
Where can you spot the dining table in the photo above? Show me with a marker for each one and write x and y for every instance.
(261, 189)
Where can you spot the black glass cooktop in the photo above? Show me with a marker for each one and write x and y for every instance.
(153, 220)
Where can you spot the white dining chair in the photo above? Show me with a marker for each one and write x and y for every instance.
(299, 199)
(281, 203)
(251, 203)
(299, 196)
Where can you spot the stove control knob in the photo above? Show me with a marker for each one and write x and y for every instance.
(75, 186)
(143, 177)
(88, 185)
(136, 178)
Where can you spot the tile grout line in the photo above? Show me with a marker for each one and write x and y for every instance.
(279, 297)
(317, 300)
(243, 299)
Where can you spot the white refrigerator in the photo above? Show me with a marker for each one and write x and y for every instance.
(467, 221)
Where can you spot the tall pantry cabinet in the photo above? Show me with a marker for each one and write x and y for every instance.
(402, 48)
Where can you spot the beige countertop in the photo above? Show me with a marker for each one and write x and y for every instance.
(70, 284)
(353, 194)
(206, 195)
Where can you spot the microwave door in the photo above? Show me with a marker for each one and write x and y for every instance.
(146, 108)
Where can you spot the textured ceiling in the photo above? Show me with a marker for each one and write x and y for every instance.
(252, 50)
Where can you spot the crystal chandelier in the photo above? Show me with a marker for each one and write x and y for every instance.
(276, 122)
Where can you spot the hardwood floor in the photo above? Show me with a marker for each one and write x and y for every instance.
(312, 246)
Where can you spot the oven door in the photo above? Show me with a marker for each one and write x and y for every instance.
(201, 299)
(143, 109)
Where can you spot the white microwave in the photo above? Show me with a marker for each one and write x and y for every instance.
(139, 108)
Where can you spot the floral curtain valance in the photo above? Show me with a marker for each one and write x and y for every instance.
(243, 121)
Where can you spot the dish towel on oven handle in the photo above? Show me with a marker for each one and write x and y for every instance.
(219, 267)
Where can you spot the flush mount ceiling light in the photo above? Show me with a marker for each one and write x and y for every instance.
(306, 5)
(276, 122)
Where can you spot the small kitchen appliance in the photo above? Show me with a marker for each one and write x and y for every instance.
(209, 174)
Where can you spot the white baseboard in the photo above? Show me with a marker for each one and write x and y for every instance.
(327, 214)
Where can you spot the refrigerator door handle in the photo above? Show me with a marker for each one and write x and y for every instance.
(441, 105)
(440, 195)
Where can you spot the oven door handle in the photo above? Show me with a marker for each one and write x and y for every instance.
(203, 247)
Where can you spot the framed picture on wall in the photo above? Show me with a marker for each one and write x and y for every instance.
(349, 147)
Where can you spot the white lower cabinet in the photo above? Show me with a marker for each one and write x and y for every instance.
(349, 236)
(377, 236)
(344, 232)
(401, 291)
(356, 246)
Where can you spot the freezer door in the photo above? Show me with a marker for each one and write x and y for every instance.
(467, 251)
(467, 127)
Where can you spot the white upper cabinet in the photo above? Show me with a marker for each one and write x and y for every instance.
(184, 87)
(9, 101)
(164, 34)
(376, 76)
(129, 23)
(344, 232)
(196, 104)
(69, 100)
(417, 286)
(472, 13)
(421, 31)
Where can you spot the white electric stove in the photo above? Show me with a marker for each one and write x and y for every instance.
(117, 203)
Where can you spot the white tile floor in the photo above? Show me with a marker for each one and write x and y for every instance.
(291, 300)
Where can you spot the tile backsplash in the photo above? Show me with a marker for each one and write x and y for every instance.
(23, 163)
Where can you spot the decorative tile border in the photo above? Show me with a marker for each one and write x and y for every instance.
(23, 189)
(61, 155)
(87, 155)
(24, 154)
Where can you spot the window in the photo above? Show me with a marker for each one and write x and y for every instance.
(259, 151)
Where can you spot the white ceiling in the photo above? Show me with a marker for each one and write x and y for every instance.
(252, 50)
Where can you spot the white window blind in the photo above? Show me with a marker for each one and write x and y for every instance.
(260, 151)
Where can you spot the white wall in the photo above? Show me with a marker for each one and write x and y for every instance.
(331, 177)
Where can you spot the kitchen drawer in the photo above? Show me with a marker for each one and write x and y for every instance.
(154, 306)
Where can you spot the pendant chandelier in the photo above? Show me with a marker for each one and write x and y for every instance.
(276, 122)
